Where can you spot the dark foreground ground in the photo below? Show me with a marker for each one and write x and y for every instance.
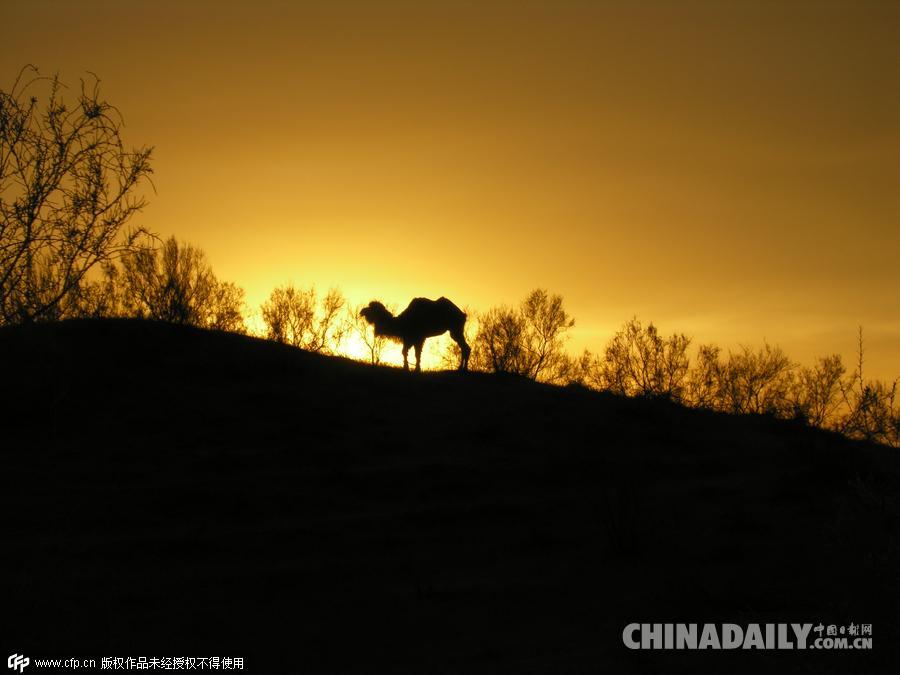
(169, 491)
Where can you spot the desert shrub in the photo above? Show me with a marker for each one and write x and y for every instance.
(296, 317)
(638, 361)
(498, 344)
(816, 396)
(872, 413)
(97, 298)
(528, 340)
(871, 410)
(68, 190)
(356, 325)
(755, 381)
(175, 283)
(706, 378)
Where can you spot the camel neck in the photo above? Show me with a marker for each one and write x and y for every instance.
(392, 327)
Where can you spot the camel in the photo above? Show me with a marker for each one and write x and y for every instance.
(422, 319)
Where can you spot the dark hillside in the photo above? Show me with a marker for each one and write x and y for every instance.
(173, 491)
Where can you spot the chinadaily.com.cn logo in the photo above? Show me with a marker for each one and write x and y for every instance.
(747, 636)
(17, 662)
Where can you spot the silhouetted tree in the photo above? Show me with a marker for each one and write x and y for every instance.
(97, 298)
(528, 340)
(359, 326)
(816, 398)
(766, 381)
(176, 284)
(757, 382)
(225, 309)
(706, 379)
(872, 411)
(499, 343)
(295, 317)
(68, 188)
(546, 325)
(639, 362)
(587, 371)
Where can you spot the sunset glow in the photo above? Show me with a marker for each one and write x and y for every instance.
(450, 336)
(727, 170)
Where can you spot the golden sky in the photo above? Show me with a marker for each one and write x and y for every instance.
(726, 169)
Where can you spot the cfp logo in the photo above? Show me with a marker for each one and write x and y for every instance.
(17, 662)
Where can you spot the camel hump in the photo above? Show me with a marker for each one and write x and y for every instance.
(450, 306)
(419, 304)
(442, 307)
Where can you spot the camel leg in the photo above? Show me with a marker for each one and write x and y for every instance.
(464, 350)
(405, 356)
(419, 356)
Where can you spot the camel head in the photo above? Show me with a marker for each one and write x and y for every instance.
(379, 316)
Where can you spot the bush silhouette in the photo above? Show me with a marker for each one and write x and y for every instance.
(528, 340)
(176, 284)
(70, 187)
(816, 398)
(356, 324)
(639, 362)
(295, 317)
(871, 407)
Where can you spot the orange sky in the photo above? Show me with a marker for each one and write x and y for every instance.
(725, 169)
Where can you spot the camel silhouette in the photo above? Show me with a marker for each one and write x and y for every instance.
(422, 319)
